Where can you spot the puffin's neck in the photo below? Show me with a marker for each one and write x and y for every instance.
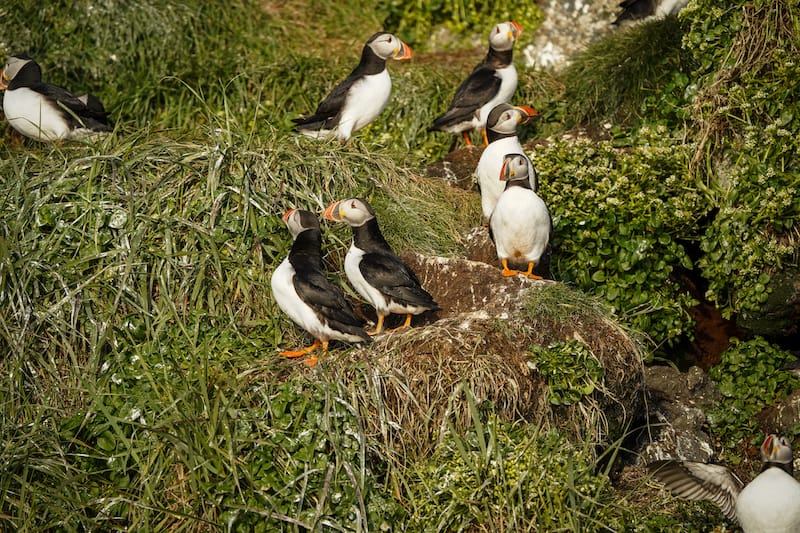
(493, 136)
(306, 250)
(522, 184)
(499, 59)
(370, 62)
(786, 467)
(368, 237)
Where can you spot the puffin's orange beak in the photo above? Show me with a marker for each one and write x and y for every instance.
(287, 214)
(504, 170)
(517, 29)
(766, 448)
(4, 81)
(404, 52)
(332, 212)
(528, 111)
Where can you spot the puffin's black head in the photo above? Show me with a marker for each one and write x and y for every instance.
(504, 118)
(354, 211)
(387, 46)
(300, 220)
(20, 71)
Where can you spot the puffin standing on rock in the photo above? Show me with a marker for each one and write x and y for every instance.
(493, 81)
(520, 225)
(361, 97)
(768, 504)
(374, 270)
(501, 131)
(305, 294)
(47, 112)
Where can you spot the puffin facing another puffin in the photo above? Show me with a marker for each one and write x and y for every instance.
(493, 81)
(768, 504)
(520, 225)
(373, 268)
(305, 294)
(359, 98)
(501, 131)
(45, 112)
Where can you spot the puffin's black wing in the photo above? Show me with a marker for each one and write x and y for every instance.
(327, 113)
(393, 278)
(325, 298)
(479, 87)
(84, 111)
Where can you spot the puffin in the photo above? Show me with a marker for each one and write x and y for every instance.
(633, 10)
(769, 503)
(374, 270)
(305, 294)
(501, 131)
(46, 112)
(359, 98)
(520, 225)
(491, 82)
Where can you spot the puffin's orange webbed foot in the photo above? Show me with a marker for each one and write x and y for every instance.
(529, 273)
(466, 138)
(508, 272)
(406, 325)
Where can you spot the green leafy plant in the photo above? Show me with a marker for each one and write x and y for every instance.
(510, 477)
(745, 121)
(620, 218)
(750, 378)
(570, 369)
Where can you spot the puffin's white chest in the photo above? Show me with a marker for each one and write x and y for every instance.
(352, 267)
(520, 224)
(508, 85)
(770, 503)
(488, 171)
(31, 114)
(289, 301)
(365, 101)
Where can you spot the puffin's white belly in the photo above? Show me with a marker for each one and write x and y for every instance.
(770, 503)
(356, 278)
(291, 304)
(33, 115)
(365, 101)
(521, 226)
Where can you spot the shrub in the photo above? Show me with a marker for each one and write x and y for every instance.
(620, 218)
(750, 378)
(746, 119)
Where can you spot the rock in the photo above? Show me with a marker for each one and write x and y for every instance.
(676, 414)
(779, 317)
(481, 341)
(568, 27)
(782, 417)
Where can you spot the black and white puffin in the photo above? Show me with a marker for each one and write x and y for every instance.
(374, 270)
(520, 225)
(769, 503)
(47, 112)
(501, 131)
(305, 294)
(361, 97)
(493, 81)
(633, 10)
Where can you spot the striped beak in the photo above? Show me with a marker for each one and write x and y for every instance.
(332, 212)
